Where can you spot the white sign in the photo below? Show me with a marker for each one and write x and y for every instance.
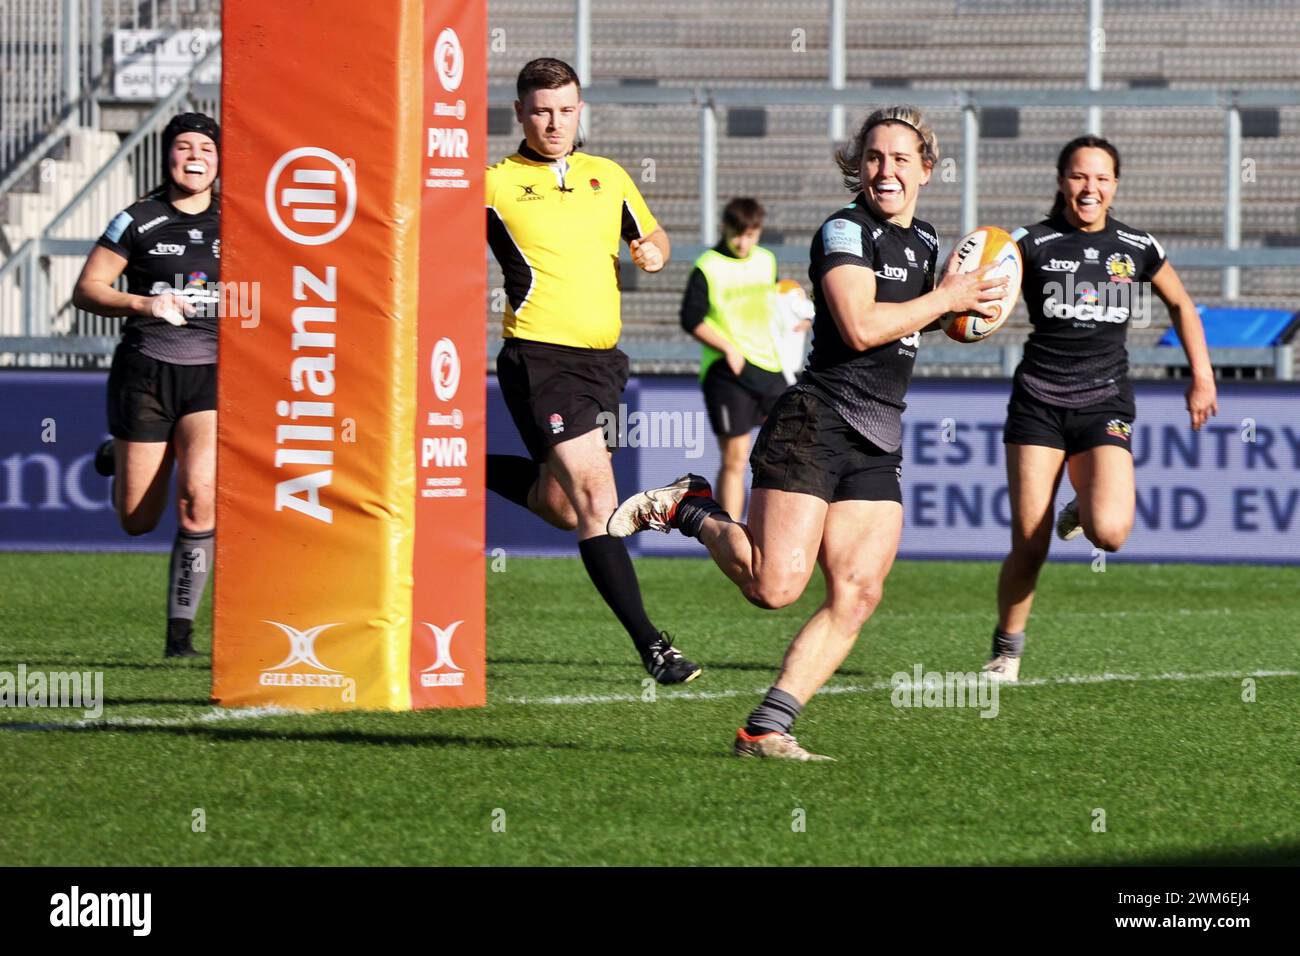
(149, 63)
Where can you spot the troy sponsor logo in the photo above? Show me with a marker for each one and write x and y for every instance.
(167, 249)
(140, 230)
(1061, 265)
(448, 143)
(452, 674)
(894, 273)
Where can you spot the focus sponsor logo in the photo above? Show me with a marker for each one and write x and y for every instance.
(318, 192)
(452, 675)
(449, 60)
(444, 367)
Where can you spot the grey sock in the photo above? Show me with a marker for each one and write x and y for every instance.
(691, 512)
(776, 714)
(1008, 645)
(191, 562)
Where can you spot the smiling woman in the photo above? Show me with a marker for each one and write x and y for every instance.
(162, 385)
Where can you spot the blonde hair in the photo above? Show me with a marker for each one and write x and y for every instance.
(849, 156)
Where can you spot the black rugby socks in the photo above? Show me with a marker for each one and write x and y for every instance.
(511, 476)
(610, 568)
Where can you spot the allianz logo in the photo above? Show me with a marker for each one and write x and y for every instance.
(896, 273)
(42, 482)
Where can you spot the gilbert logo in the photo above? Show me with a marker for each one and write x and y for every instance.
(74, 909)
(449, 59)
(442, 641)
(302, 653)
(445, 369)
(316, 190)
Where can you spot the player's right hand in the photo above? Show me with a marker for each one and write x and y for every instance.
(170, 307)
(969, 291)
(735, 361)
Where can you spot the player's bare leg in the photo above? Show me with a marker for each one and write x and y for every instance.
(771, 557)
(1107, 494)
(548, 500)
(143, 472)
(731, 475)
(1033, 475)
(582, 468)
(859, 543)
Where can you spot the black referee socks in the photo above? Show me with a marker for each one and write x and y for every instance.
(511, 476)
(610, 568)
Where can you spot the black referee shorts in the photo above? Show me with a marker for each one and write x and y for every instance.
(556, 392)
(146, 397)
(1031, 421)
(806, 447)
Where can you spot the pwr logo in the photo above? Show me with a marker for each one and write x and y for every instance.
(449, 60)
(315, 191)
(448, 143)
(453, 675)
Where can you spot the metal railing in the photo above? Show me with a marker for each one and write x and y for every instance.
(46, 323)
(54, 67)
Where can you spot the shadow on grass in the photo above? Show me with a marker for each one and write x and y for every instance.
(352, 738)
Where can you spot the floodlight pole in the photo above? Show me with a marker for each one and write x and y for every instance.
(970, 144)
(1232, 206)
(582, 52)
(1096, 47)
(708, 174)
(837, 67)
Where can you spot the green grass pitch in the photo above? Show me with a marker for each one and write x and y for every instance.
(569, 765)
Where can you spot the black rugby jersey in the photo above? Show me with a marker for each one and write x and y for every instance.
(867, 388)
(1083, 290)
(167, 249)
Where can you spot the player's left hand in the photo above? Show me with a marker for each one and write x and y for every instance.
(1202, 401)
(647, 256)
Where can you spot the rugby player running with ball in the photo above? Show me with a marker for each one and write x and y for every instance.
(827, 463)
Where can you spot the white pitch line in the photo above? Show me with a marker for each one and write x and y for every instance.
(256, 713)
(579, 699)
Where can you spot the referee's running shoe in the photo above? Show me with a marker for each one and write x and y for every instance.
(665, 663)
(1067, 522)
(656, 508)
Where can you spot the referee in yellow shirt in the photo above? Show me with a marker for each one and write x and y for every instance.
(555, 217)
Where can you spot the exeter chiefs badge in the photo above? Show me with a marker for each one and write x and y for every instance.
(1120, 267)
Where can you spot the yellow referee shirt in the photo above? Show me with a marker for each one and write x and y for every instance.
(555, 230)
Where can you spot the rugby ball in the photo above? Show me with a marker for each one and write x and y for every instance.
(986, 244)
